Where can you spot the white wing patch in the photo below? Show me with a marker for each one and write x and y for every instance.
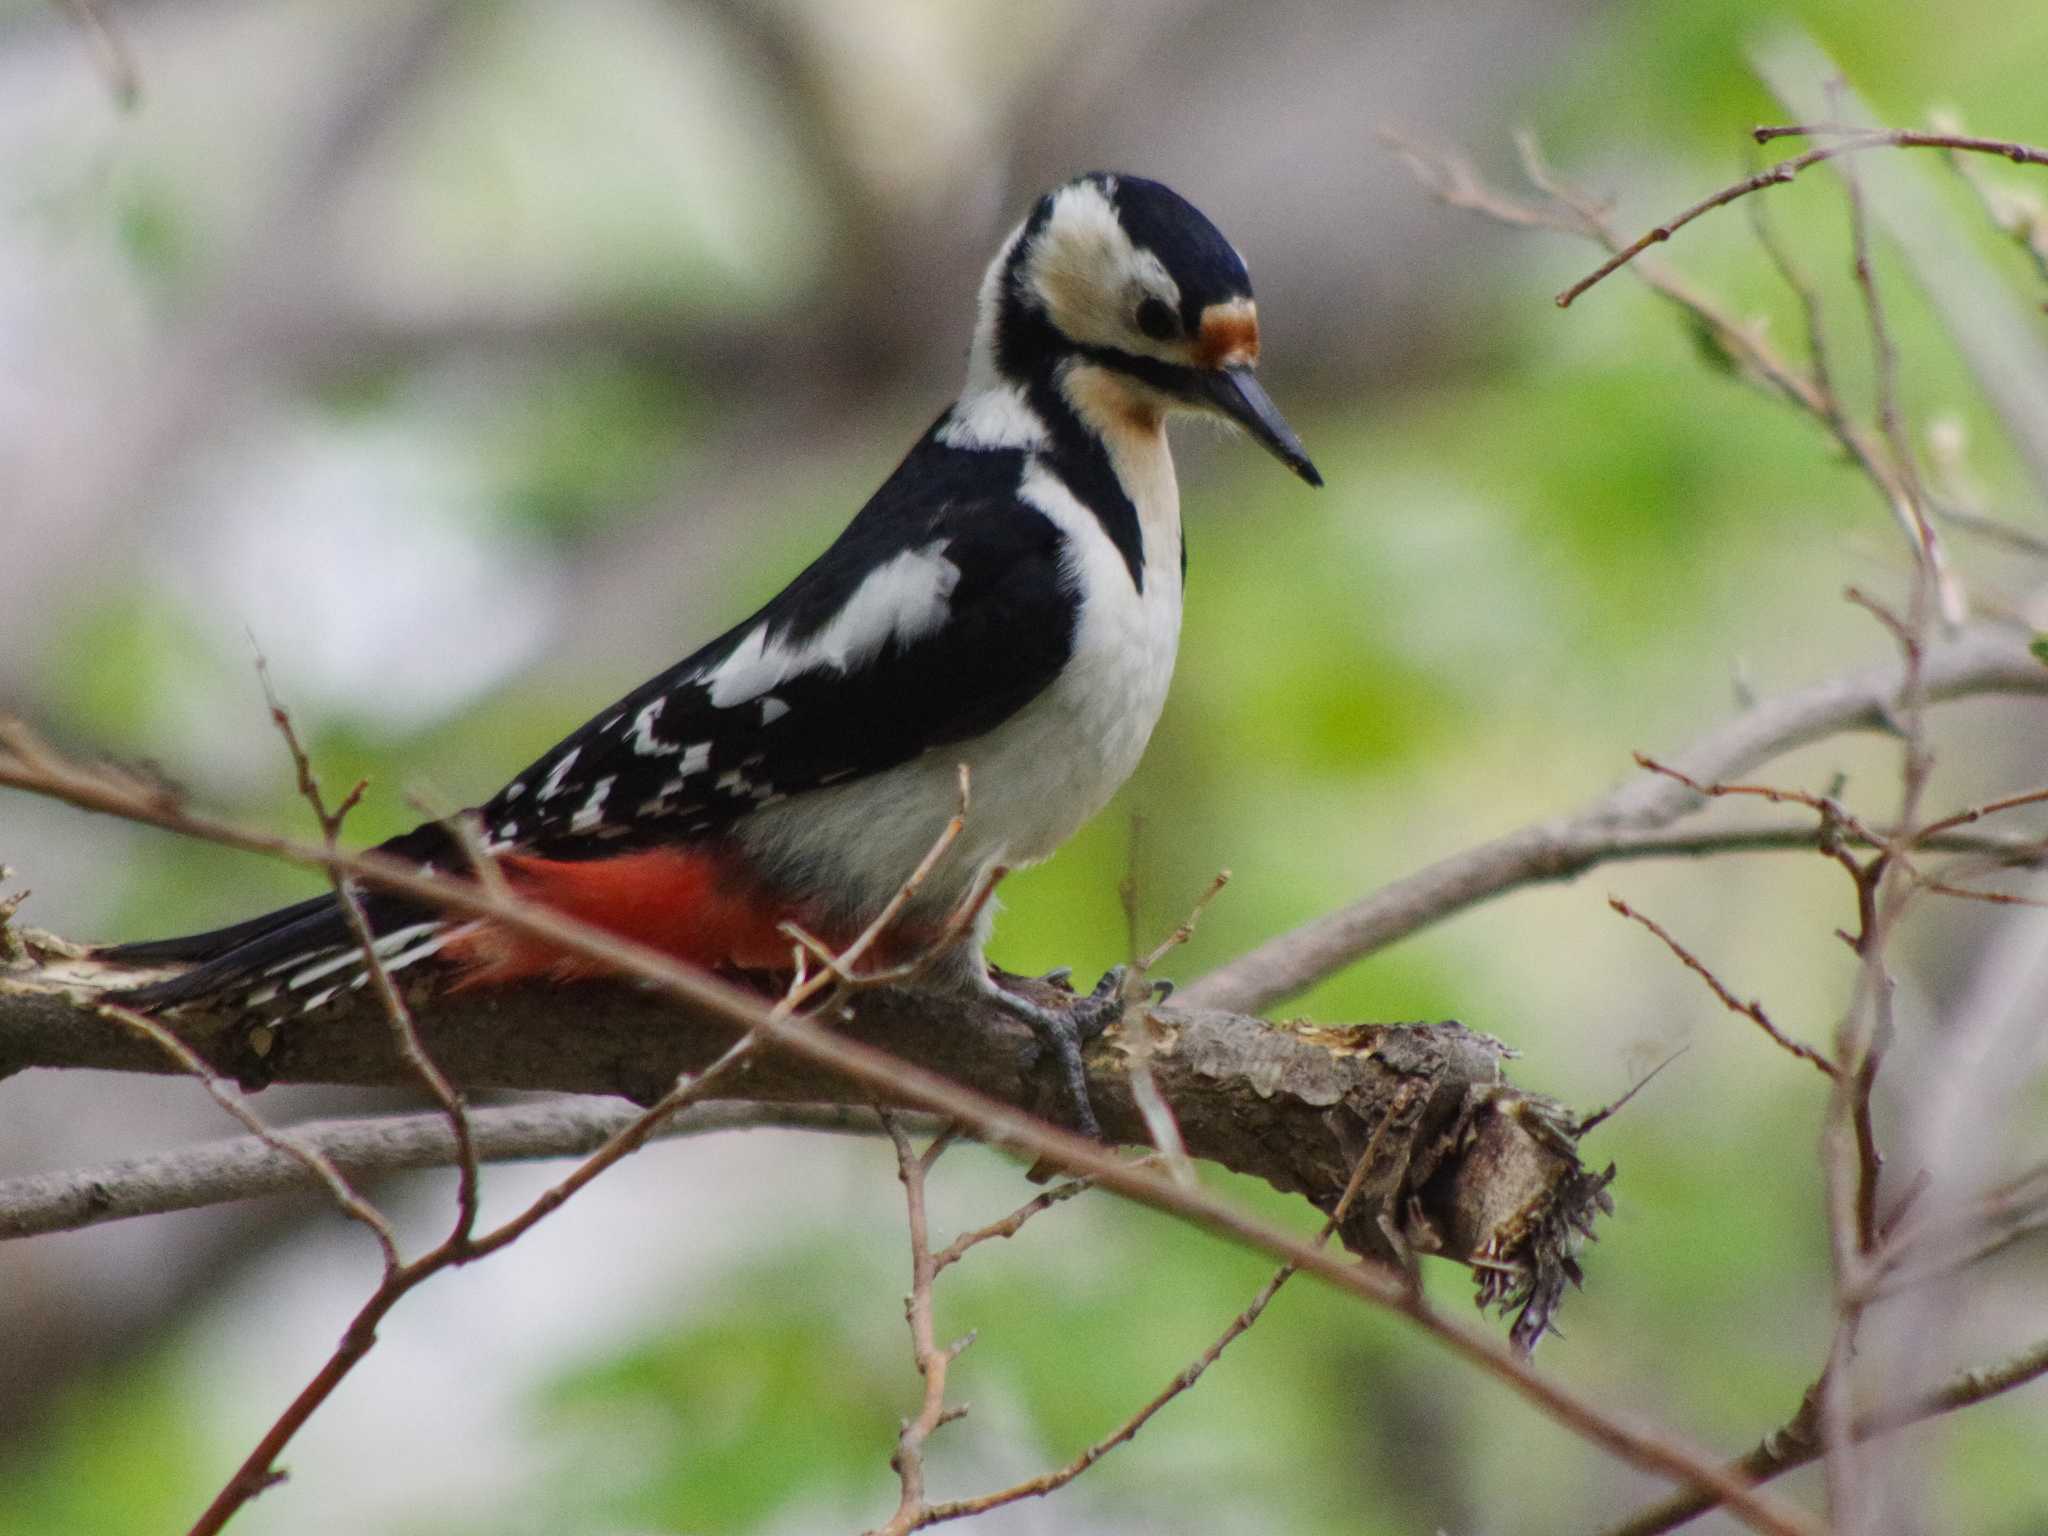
(902, 600)
(591, 811)
(553, 783)
(642, 736)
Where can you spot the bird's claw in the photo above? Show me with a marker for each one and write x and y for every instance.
(1111, 999)
(1066, 1031)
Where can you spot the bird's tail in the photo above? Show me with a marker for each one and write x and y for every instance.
(295, 958)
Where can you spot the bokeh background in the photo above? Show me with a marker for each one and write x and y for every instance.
(475, 360)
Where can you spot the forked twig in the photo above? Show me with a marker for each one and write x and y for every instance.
(314, 1161)
(1139, 990)
(1753, 1010)
(26, 763)
(405, 1033)
(1059, 1477)
(1852, 140)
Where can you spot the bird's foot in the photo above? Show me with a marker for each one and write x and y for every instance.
(1065, 1031)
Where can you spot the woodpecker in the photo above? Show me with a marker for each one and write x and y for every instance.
(1010, 600)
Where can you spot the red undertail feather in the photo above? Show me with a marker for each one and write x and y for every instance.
(692, 903)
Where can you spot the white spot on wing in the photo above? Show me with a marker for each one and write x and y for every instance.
(420, 951)
(591, 811)
(560, 771)
(513, 791)
(696, 758)
(642, 736)
(324, 968)
(901, 600)
(772, 710)
(750, 671)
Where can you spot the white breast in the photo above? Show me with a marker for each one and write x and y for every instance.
(1047, 769)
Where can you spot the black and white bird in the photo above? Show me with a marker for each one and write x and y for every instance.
(1010, 599)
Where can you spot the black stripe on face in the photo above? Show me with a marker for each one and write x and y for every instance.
(1175, 379)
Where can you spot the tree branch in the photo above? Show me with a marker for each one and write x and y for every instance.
(1979, 660)
(1488, 1176)
(249, 1168)
(1290, 1106)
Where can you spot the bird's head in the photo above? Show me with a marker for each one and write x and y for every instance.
(1117, 293)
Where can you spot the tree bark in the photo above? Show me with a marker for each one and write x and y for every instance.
(1465, 1165)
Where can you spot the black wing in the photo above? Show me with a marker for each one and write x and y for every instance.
(959, 603)
(684, 755)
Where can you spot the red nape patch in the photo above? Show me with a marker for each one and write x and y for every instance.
(695, 904)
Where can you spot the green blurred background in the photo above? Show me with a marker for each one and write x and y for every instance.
(477, 360)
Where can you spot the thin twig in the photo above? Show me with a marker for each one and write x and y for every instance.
(258, 1469)
(1753, 1010)
(461, 1245)
(1060, 1476)
(404, 1033)
(932, 1359)
(1010, 1225)
(25, 763)
(310, 1158)
(1890, 418)
(110, 52)
(1983, 659)
(1152, 1106)
(1796, 1443)
(1572, 211)
(1856, 141)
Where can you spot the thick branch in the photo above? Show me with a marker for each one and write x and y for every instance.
(1293, 1107)
(1975, 661)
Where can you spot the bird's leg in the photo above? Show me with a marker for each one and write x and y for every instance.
(1066, 1030)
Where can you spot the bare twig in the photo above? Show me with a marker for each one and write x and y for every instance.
(1852, 141)
(932, 1358)
(1010, 1225)
(405, 1034)
(1797, 1442)
(1572, 211)
(1139, 989)
(26, 763)
(2006, 1215)
(2022, 218)
(1810, 307)
(1753, 1011)
(843, 966)
(1983, 659)
(110, 52)
(1059, 1477)
(1890, 419)
(258, 1470)
(307, 1156)
(461, 1245)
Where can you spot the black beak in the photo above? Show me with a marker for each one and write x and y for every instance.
(1235, 393)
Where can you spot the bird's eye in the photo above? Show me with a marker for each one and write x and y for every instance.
(1157, 320)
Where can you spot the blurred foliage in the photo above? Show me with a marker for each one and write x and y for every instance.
(1562, 539)
(120, 1453)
